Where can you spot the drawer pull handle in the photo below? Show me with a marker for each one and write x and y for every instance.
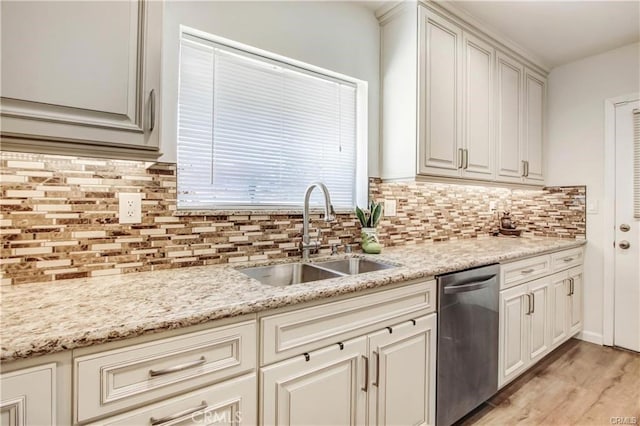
(390, 330)
(340, 345)
(176, 368)
(163, 420)
(568, 259)
(307, 357)
(413, 321)
(528, 271)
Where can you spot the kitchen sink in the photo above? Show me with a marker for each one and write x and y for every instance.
(289, 273)
(354, 266)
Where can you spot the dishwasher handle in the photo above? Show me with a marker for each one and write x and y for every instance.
(472, 286)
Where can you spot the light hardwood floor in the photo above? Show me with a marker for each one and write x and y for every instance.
(578, 384)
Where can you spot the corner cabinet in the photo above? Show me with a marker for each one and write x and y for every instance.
(476, 113)
(81, 76)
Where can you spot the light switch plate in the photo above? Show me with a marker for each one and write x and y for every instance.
(389, 208)
(130, 207)
(592, 207)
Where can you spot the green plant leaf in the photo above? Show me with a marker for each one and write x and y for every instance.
(376, 213)
(361, 217)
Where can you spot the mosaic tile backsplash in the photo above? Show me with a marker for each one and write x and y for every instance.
(59, 219)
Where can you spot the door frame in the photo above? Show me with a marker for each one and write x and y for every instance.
(609, 212)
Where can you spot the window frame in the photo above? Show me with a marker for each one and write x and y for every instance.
(361, 180)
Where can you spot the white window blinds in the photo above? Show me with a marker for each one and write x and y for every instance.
(254, 132)
(636, 163)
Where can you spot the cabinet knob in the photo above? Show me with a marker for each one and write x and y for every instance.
(624, 244)
(625, 228)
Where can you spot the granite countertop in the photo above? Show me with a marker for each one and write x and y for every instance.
(44, 318)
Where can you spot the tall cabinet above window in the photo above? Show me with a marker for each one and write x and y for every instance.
(456, 102)
(81, 76)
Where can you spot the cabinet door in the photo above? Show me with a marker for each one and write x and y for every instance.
(326, 387)
(402, 374)
(559, 304)
(509, 119)
(232, 402)
(512, 358)
(534, 125)
(575, 301)
(28, 396)
(440, 94)
(539, 319)
(81, 72)
(478, 140)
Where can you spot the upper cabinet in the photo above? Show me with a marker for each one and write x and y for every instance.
(453, 104)
(81, 76)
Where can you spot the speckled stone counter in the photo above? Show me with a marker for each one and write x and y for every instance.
(39, 319)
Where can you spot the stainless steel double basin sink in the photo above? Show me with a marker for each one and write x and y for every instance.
(298, 273)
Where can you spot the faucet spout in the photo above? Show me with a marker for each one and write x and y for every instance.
(329, 215)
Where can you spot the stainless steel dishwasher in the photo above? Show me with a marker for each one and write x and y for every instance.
(467, 360)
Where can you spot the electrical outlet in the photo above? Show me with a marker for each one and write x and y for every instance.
(493, 206)
(130, 207)
(389, 208)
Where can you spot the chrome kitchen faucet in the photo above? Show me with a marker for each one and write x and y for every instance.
(329, 215)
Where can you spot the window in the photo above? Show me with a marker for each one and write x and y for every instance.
(255, 129)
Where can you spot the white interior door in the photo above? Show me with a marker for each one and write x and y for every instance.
(627, 234)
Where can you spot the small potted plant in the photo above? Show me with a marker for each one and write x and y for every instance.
(369, 220)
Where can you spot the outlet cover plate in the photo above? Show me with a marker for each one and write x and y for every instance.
(130, 207)
(389, 208)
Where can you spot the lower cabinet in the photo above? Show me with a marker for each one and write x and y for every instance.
(536, 317)
(402, 372)
(566, 318)
(29, 396)
(325, 387)
(384, 378)
(524, 327)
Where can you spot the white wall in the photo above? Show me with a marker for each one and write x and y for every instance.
(575, 149)
(339, 36)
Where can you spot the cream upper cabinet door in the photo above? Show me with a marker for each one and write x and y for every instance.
(29, 396)
(478, 133)
(539, 318)
(575, 300)
(534, 125)
(324, 387)
(513, 357)
(440, 127)
(81, 73)
(509, 105)
(559, 305)
(402, 374)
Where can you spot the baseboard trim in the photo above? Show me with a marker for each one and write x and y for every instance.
(591, 337)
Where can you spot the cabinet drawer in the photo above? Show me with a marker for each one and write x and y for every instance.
(515, 273)
(292, 333)
(566, 259)
(121, 379)
(232, 402)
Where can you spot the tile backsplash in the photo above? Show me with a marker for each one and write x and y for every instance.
(59, 219)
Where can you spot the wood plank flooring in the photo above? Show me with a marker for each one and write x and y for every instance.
(578, 384)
